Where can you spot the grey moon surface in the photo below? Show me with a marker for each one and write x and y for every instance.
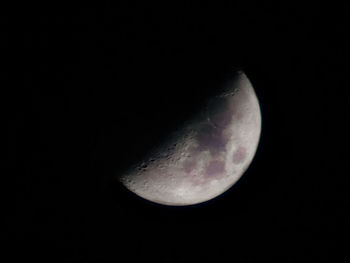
(206, 156)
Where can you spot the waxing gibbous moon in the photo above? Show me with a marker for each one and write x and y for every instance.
(206, 156)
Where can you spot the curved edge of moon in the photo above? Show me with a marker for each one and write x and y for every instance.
(206, 157)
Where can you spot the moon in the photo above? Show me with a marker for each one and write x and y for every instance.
(206, 156)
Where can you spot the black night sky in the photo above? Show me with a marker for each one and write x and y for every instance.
(88, 89)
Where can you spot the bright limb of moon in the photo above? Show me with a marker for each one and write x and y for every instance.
(207, 156)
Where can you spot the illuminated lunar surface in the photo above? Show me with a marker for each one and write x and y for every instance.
(207, 156)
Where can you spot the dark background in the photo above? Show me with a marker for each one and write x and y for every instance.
(87, 89)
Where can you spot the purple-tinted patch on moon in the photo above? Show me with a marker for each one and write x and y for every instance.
(188, 166)
(212, 139)
(239, 155)
(215, 168)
